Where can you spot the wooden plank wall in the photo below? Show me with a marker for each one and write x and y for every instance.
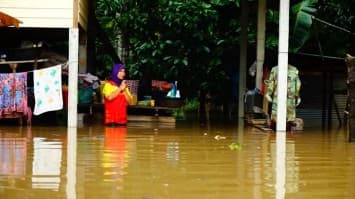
(46, 13)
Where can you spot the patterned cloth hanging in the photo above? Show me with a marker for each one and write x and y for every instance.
(13, 93)
(48, 89)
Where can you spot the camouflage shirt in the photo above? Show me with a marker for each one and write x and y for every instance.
(293, 90)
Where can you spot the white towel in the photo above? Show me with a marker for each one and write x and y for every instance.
(48, 89)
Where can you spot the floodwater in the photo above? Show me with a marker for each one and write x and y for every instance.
(157, 161)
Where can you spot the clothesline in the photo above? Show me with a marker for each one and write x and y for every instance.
(23, 61)
(64, 65)
(87, 77)
(47, 90)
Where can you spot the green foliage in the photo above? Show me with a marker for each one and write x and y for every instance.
(178, 113)
(334, 41)
(272, 37)
(106, 62)
(191, 104)
(173, 40)
(188, 40)
(235, 146)
(302, 23)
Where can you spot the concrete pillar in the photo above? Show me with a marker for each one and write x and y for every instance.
(73, 77)
(282, 65)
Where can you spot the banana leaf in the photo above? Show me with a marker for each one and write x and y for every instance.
(302, 23)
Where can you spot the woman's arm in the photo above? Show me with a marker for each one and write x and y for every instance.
(111, 91)
(126, 92)
(113, 94)
(128, 96)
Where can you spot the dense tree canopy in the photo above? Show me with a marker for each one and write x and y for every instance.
(333, 28)
(197, 42)
(175, 40)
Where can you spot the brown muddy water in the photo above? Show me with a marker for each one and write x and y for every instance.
(157, 161)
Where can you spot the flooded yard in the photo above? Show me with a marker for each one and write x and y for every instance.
(182, 161)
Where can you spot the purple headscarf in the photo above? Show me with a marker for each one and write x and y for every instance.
(115, 70)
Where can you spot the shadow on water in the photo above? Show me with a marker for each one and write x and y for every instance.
(152, 160)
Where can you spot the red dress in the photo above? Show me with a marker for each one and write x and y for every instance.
(116, 109)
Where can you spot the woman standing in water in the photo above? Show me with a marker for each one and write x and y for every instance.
(116, 97)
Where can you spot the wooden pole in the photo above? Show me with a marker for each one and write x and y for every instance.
(260, 52)
(243, 57)
(350, 62)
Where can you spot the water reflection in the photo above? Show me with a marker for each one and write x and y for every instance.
(113, 159)
(187, 162)
(280, 165)
(29, 162)
(71, 163)
(13, 152)
(46, 164)
(172, 152)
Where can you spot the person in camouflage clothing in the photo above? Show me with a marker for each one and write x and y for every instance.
(293, 91)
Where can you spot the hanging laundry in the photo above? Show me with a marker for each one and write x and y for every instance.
(88, 77)
(48, 89)
(13, 93)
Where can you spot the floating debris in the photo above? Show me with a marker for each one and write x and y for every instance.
(218, 137)
(235, 146)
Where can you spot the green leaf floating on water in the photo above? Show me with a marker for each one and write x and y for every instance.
(235, 146)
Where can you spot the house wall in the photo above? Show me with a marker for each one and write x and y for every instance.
(46, 13)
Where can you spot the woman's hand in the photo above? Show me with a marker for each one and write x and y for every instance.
(123, 85)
